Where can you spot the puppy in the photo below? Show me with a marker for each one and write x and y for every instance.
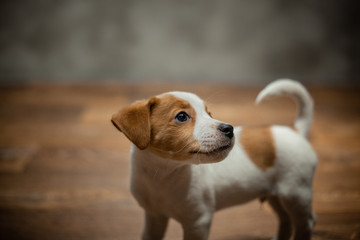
(174, 135)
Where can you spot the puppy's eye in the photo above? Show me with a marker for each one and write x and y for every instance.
(182, 117)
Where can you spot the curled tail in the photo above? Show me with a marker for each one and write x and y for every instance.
(300, 95)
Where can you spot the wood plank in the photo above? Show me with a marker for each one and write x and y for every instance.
(66, 171)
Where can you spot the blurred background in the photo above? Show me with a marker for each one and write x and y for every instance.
(237, 42)
(67, 66)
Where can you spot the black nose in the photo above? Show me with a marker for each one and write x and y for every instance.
(227, 129)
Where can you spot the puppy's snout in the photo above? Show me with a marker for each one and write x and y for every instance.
(227, 129)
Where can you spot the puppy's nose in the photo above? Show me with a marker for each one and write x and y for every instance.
(227, 129)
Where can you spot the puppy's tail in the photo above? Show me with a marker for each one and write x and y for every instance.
(300, 95)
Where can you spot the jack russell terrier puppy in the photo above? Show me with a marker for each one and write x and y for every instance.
(174, 135)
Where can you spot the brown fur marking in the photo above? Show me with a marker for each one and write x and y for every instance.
(258, 143)
(134, 122)
(170, 138)
(151, 124)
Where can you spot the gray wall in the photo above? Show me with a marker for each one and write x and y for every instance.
(244, 42)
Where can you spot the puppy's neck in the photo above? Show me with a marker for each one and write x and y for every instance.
(154, 165)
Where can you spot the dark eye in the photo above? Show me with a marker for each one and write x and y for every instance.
(182, 117)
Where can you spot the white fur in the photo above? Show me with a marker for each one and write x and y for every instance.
(191, 193)
(205, 131)
(299, 94)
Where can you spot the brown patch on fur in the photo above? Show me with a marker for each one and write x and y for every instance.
(208, 112)
(134, 122)
(151, 124)
(258, 143)
(170, 138)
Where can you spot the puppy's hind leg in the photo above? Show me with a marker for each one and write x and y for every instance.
(198, 229)
(285, 230)
(299, 207)
(155, 226)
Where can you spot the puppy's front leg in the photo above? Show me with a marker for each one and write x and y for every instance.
(155, 226)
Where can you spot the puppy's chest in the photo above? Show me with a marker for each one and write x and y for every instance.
(157, 193)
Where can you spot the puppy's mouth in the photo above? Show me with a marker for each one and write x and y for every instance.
(214, 151)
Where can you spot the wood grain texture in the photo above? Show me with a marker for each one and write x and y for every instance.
(64, 169)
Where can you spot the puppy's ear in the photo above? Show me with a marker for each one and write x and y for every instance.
(134, 122)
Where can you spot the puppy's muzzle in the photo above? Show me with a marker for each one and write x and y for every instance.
(227, 130)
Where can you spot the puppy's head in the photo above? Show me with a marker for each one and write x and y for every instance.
(175, 125)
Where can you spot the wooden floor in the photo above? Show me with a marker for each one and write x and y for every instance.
(64, 169)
